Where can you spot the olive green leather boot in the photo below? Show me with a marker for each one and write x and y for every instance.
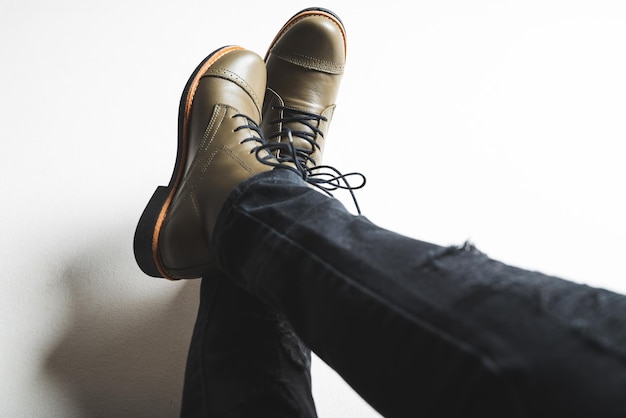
(218, 140)
(305, 64)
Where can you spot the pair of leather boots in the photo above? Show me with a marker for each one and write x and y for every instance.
(241, 115)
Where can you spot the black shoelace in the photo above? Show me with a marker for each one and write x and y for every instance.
(324, 177)
(268, 158)
(310, 120)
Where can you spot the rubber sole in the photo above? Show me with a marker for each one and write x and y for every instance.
(146, 239)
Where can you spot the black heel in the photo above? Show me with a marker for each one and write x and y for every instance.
(142, 243)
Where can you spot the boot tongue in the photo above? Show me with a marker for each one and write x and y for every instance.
(307, 142)
(303, 135)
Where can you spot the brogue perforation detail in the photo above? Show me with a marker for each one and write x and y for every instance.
(309, 62)
(235, 78)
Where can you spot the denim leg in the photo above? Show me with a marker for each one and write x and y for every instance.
(419, 329)
(244, 359)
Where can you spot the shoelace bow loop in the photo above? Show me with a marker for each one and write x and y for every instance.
(324, 177)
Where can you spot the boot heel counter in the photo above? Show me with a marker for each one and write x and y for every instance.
(182, 243)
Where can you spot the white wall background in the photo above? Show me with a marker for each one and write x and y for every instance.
(502, 122)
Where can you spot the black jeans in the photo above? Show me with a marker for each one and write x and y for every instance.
(418, 330)
(244, 359)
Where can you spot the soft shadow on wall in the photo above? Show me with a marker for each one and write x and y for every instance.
(126, 340)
